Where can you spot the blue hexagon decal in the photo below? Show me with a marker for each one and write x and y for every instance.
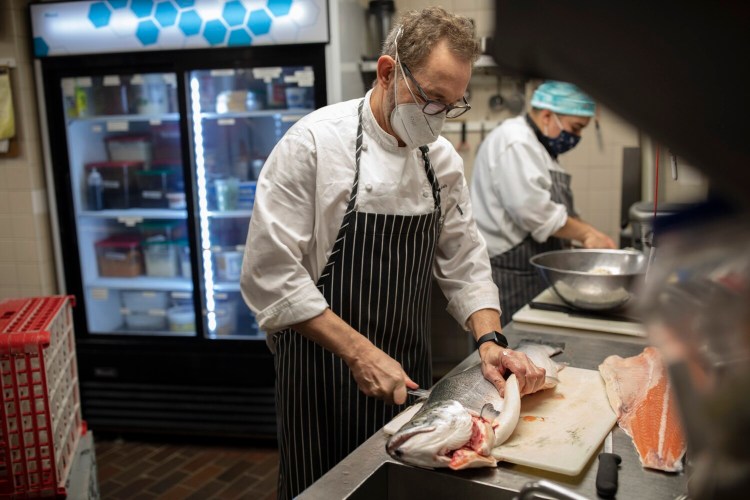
(259, 22)
(234, 13)
(215, 32)
(185, 3)
(41, 48)
(279, 7)
(190, 22)
(147, 32)
(99, 14)
(239, 37)
(118, 4)
(142, 8)
(166, 14)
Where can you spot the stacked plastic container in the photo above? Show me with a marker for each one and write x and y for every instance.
(41, 421)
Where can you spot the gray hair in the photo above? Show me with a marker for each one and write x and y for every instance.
(419, 31)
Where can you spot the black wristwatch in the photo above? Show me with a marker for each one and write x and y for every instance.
(495, 337)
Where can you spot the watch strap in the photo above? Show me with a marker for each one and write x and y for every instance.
(495, 337)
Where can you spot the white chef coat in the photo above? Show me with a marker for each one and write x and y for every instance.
(510, 188)
(301, 197)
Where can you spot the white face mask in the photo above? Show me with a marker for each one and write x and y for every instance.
(408, 121)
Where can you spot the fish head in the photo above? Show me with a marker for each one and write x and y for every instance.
(429, 438)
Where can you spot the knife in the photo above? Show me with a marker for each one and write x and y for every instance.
(606, 475)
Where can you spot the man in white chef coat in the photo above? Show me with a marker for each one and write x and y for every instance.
(358, 207)
(521, 195)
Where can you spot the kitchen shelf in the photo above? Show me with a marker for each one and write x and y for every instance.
(135, 213)
(168, 117)
(290, 114)
(148, 333)
(143, 283)
(226, 286)
(230, 214)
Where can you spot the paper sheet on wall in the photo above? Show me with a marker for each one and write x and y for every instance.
(7, 120)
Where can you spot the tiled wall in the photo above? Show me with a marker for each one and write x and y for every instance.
(26, 261)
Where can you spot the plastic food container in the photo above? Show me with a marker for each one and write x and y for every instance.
(119, 256)
(143, 301)
(228, 265)
(154, 184)
(129, 148)
(118, 182)
(162, 230)
(226, 317)
(145, 321)
(161, 259)
(246, 195)
(184, 255)
(176, 201)
(181, 319)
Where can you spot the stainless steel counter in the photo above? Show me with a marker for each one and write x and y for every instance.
(369, 472)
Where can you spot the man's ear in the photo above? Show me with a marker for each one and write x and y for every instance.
(386, 70)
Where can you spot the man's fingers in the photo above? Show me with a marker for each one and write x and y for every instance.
(410, 383)
(499, 384)
(399, 395)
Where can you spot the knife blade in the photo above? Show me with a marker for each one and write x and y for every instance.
(606, 474)
(544, 306)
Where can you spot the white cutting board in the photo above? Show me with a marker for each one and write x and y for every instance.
(561, 428)
(553, 318)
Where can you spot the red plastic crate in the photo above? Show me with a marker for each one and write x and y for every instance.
(40, 424)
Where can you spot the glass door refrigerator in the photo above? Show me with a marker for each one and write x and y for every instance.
(153, 147)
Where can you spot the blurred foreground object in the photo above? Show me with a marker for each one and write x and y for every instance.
(672, 69)
(696, 305)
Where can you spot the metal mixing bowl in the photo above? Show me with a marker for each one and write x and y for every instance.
(595, 280)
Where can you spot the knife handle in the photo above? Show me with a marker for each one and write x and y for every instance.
(606, 475)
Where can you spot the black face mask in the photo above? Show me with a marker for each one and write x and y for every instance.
(563, 142)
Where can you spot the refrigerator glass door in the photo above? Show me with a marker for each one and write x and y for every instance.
(130, 208)
(238, 116)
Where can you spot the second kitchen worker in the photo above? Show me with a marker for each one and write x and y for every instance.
(359, 205)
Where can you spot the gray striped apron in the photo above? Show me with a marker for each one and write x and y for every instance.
(378, 280)
(518, 281)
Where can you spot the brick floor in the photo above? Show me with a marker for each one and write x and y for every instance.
(139, 470)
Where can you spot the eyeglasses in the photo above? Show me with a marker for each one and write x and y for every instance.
(433, 107)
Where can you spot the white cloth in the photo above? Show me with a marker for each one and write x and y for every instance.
(301, 198)
(510, 188)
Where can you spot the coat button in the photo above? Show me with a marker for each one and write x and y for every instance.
(364, 147)
(425, 194)
(368, 187)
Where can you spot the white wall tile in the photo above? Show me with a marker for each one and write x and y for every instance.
(8, 275)
(8, 291)
(6, 249)
(26, 251)
(20, 202)
(23, 226)
(29, 275)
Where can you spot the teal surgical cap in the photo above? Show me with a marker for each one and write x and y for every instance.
(564, 98)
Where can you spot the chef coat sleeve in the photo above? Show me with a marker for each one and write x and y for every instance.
(462, 264)
(522, 183)
(274, 283)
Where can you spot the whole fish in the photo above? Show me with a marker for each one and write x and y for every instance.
(464, 417)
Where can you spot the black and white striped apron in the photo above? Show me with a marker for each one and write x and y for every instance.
(518, 281)
(378, 280)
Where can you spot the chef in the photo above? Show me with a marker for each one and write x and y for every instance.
(521, 195)
(358, 207)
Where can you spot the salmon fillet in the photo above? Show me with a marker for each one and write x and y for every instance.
(641, 395)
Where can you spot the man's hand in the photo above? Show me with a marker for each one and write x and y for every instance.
(379, 375)
(497, 361)
(596, 239)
